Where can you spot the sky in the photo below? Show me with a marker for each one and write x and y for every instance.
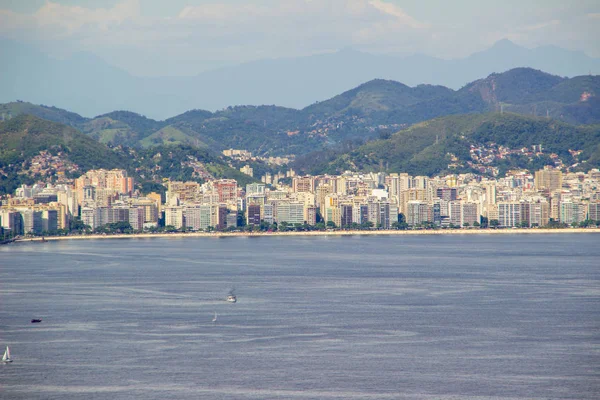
(185, 37)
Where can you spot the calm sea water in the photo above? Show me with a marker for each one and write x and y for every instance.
(357, 317)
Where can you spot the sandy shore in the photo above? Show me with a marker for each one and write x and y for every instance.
(320, 233)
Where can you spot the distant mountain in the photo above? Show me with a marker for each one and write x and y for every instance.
(375, 108)
(89, 86)
(443, 145)
(376, 96)
(54, 114)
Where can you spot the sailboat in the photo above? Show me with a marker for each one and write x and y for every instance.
(6, 357)
(215, 317)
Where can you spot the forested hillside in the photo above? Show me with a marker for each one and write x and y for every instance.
(369, 111)
(445, 145)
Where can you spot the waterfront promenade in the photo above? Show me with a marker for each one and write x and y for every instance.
(507, 231)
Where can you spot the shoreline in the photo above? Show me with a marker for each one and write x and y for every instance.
(315, 233)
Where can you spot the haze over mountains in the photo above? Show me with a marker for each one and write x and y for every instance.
(89, 86)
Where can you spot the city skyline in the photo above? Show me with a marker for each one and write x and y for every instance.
(102, 200)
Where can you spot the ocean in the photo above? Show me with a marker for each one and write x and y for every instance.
(345, 317)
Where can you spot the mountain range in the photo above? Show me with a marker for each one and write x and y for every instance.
(375, 108)
(90, 86)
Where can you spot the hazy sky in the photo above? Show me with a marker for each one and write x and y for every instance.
(183, 37)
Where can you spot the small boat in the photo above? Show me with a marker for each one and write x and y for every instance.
(215, 317)
(36, 321)
(231, 298)
(6, 357)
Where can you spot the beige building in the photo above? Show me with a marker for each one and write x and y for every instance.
(548, 179)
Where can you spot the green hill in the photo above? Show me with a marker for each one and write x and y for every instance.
(375, 96)
(367, 112)
(54, 114)
(171, 135)
(25, 136)
(429, 147)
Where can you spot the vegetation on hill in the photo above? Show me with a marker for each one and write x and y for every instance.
(54, 114)
(370, 111)
(517, 86)
(24, 137)
(443, 144)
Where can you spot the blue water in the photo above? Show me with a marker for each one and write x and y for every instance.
(356, 317)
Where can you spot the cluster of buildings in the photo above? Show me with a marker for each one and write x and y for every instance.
(245, 155)
(484, 156)
(98, 197)
(380, 200)
(47, 164)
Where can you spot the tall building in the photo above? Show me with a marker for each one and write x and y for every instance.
(593, 211)
(222, 217)
(253, 214)
(470, 214)
(267, 212)
(455, 212)
(290, 212)
(32, 221)
(310, 215)
(509, 214)
(49, 220)
(571, 212)
(555, 200)
(548, 179)
(383, 218)
(539, 214)
(174, 216)
(115, 179)
(413, 194)
(11, 220)
(346, 217)
(418, 212)
(446, 193)
(136, 218)
(255, 189)
(227, 190)
(200, 216)
(303, 184)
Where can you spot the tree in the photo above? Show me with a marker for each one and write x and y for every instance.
(466, 224)
(476, 224)
(494, 223)
(366, 225)
(330, 225)
(170, 228)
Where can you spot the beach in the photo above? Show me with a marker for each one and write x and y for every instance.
(507, 231)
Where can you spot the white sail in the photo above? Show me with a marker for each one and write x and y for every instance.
(215, 317)
(6, 356)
